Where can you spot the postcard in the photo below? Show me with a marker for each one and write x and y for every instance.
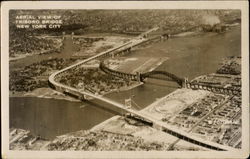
(128, 79)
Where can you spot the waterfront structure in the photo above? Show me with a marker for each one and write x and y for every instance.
(122, 109)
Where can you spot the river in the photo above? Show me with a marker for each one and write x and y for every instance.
(188, 57)
(66, 52)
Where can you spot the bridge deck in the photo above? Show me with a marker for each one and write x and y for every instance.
(181, 134)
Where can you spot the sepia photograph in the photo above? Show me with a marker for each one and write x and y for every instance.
(145, 79)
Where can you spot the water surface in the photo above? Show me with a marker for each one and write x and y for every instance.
(188, 57)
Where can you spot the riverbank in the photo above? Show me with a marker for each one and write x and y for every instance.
(46, 93)
(201, 113)
(113, 134)
(42, 81)
(114, 127)
(176, 110)
(37, 46)
(44, 52)
(31, 79)
(49, 93)
(198, 112)
(188, 110)
(170, 104)
(193, 111)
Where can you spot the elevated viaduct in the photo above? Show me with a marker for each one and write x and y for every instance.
(120, 108)
(164, 75)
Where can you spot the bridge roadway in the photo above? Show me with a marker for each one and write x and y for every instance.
(121, 109)
(149, 31)
(132, 43)
(171, 77)
(141, 77)
(216, 89)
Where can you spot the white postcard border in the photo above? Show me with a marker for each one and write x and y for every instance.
(6, 6)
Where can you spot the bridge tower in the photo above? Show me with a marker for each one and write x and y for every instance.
(184, 83)
(138, 76)
(82, 97)
(129, 50)
(63, 35)
(112, 55)
(128, 103)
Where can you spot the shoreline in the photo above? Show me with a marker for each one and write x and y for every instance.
(166, 106)
(13, 59)
(62, 96)
(106, 123)
(44, 52)
(73, 115)
(181, 34)
(57, 96)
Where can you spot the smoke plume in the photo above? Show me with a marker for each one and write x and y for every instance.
(210, 20)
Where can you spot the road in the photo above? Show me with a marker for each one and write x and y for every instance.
(157, 124)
